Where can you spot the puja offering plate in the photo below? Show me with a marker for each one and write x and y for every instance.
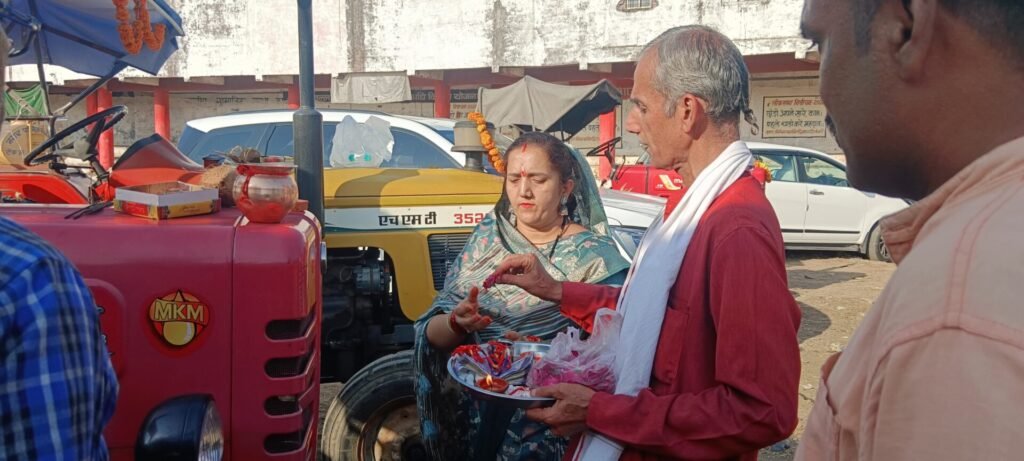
(496, 371)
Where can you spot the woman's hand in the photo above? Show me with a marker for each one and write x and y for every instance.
(447, 331)
(467, 313)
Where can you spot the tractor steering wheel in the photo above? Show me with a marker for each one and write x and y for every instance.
(100, 119)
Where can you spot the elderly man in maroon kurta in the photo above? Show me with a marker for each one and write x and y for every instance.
(727, 364)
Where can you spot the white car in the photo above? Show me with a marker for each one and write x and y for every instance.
(419, 142)
(817, 208)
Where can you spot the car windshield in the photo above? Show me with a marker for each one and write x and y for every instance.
(189, 138)
(410, 149)
(446, 134)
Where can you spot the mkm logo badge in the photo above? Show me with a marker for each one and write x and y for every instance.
(179, 318)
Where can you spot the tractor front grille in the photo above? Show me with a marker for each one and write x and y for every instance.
(444, 248)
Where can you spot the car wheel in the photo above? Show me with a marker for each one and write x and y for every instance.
(374, 417)
(876, 250)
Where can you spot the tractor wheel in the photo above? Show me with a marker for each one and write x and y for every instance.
(374, 417)
(876, 250)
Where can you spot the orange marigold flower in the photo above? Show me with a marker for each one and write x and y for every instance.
(134, 33)
(487, 140)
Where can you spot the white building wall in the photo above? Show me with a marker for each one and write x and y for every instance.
(247, 37)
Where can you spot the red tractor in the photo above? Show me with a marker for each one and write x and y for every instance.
(212, 322)
(206, 318)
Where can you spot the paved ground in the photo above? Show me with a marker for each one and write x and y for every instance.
(834, 292)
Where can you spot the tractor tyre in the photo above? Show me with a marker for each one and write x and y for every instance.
(374, 417)
(876, 249)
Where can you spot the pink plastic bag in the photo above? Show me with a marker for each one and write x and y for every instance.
(588, 362)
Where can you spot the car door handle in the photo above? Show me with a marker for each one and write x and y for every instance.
(816, 192)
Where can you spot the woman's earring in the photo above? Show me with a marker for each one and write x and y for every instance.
(512, 217)
(565, 206)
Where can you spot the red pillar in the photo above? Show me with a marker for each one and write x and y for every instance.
(162, 113)
(293, 97)
(442, 100)
(106, 147)
(90, 104)
(607, 130)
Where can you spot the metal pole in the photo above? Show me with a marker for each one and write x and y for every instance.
(308, 123)
(38, 39)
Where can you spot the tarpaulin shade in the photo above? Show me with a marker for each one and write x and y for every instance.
(534, 104)
(82, 35)
(370, 88)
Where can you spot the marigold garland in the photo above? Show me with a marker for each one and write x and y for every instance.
(488, 141)
(758, 163)
(134, 33)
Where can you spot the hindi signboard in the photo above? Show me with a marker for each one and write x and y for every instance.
(794, 117)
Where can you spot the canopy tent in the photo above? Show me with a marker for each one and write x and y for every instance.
(533, 104)
(82, 35)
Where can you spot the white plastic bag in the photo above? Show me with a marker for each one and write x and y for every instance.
(589, 362)
(361, 145)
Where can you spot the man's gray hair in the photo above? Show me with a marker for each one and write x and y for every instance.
(701, 61)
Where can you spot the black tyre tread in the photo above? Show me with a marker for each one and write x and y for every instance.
(872, 246)
(337, 440)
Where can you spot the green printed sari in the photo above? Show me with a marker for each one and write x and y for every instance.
(456, 427)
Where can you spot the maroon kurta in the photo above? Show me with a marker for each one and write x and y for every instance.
(727, 365)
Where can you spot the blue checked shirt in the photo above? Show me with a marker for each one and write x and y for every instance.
(57, 386)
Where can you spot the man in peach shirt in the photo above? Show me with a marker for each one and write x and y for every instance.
(927, 99)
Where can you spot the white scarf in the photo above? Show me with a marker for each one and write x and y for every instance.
(644, 296)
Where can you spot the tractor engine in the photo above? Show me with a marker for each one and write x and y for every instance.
(361, 312)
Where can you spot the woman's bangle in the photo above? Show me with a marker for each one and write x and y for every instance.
(455, 327)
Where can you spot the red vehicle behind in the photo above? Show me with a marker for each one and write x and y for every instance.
(645, 179)
(211, 310)
(212, 322)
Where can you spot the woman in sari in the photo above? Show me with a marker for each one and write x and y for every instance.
(551, 207)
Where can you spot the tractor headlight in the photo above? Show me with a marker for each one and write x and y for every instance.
(182, 428)
(211, 435)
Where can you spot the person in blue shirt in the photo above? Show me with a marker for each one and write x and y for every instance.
(57, 385)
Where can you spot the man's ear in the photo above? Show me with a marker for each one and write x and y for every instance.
(909, 31)
(690, 111)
